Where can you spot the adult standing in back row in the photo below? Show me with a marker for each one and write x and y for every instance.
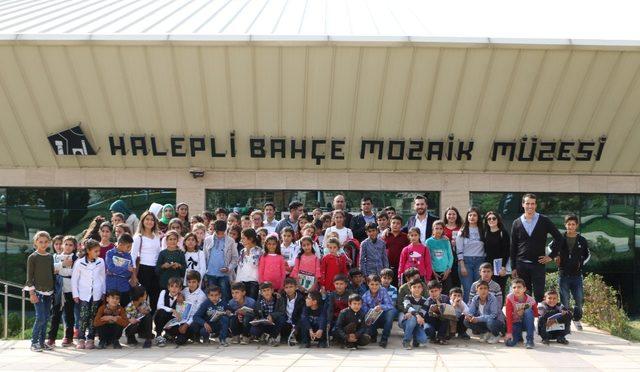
(359, 221)
(528, 246)
(422, 219)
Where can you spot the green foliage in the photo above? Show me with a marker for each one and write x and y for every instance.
(15, 325)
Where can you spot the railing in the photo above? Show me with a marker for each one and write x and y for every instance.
(15, 286)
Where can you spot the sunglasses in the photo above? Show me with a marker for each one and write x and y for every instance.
(492, 218)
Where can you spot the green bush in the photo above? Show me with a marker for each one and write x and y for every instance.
(15, 325)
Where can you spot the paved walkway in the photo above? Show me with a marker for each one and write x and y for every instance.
(589, 350)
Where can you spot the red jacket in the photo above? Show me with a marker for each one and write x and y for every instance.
(332, 265)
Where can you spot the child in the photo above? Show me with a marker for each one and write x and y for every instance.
(560, 325)
(485, 314)
(268, 308)
(262, 233)
(383, 223)
(88, 284)
(405, 289)
(240, 311)
(40, 284)
(414, 312)
(171, 262)
(221, 256)
(373, 252)
(122, 228)
(307, 267)
(309, 230)
(350, 328)
(200, 231)
(441, 255)
(193, 257)
(436, 327)
(486, 275)
(64, 267)
(332, 264)
(570, 257)
(395, 240)
(357, 284)
(119, 268)
(272, 267)
(139, 318)
(194, 296)
(110, 320)
(325, 223)
(337, 300)
(415, 255)
(386, 277)
(455, 299)
(378, 300)
(176, 225)
(211, 317)
(344, 233)
(105, 239)
(521, 309)
(166, 308)
(245, 222)
(313, 321)
(292, 302)
(56, 243)
(249, 262)
(288, 248)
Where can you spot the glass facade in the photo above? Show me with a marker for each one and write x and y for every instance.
(23, 211)
(610, 223)
(245, 200)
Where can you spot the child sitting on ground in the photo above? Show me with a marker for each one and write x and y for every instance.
(267, 308)
(110, 320)
(486, 275)
(555, 320)
(139, 318)
(350, 328)
(457, 326)
(211, 317)
(484, 316)
(405, 289)
(313, 322)
(521, 309)
(414, 313)
(240, 312)
(436, 326)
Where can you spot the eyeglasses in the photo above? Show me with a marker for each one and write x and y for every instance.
(492, 218)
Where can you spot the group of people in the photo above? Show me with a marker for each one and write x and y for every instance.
(309, 279)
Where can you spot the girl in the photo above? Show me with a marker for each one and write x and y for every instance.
(105, 239)
(56, 243)
(88, 286)
(288, 248)
(273, 267)
(325, 223)
(234, 233)
(262, 233)
(470, 250)
(167, 214)
(145, 251)
(307, 267)
(130, 218)
(344, 233)
(117, 218)
(170, 261)
(56, 300)
(233, 219)
(249, 261)
(200, 231)
(64, 268)
(122, 228)
(193, 256)
(441, 256)
(415, 255)
(332, 264)
(453, 223)
(496, 246)
(309, 230)
(176, 225)
(182, 213)
(40, 284)
(93, 231)
(195, 220)
(207, 218)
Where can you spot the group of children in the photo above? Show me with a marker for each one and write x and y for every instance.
(275, 288)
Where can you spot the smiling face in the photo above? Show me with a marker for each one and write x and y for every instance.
(472, 217)
(420, 206)
(105, 233)
(149, 222)
(529, 205)
(183, 211)
(451, 216)
(492, 220)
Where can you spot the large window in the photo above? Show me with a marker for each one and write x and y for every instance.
(244, 201)
(23, 211)
(608, 221)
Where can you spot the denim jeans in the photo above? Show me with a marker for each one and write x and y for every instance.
(220, 327)
(472, 264)
(412, 331)
(571, 286)
(526, 323)
(385, 321)
(492, 325)
(222, 282)
(42, 318)
(436, 328)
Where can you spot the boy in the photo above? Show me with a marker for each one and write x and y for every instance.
(337, 300)
(240, 311)
(194, 296)
(211, 317)
(486, 275)
(386, 278)
(414, 313)
(455, 298)
(119, 268)
(555, 319)
(293, 302)
(166, 308)
(441, 254)
(521, 309)
(570, 257)
(357, 284)
(485, 314)
(377, 299)
(268, 307)
(110, 320)
(436, 327)
(288, 248)
(405, 289)
(313, 321)
(373, 253)
(350, 326)
(221, 258)
(139, 317)
(383, 223)
(396, 240)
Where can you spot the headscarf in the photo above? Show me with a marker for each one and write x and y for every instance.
(121, 207)
(164, 219)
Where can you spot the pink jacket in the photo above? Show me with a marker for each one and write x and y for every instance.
(418, 256)
(309, 265)
(272, 268)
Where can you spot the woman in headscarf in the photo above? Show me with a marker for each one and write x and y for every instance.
(167, 213)
(119, 206)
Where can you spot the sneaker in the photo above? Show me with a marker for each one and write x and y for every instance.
(383, 344)
(244, 340)
(76, 333)
(545, 341)
(273, 342)
(529, 345)
(485, 336)
(80, 345)
(147, 344)
(51, 342)
(415, 344)
(304, 345)
(47, 347)
(463, 336)
(562, 340)
(493, 339)
(407, 345)
(131, 340)
(442, 341)
(224, 343)
(510, 343)
(161, 341)
(235, 340)
(90, 345)
(577, 324)
(66, 342)
(36, 348)
(116, 344)
(101, 345)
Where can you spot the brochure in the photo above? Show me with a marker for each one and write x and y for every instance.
(261, 322)
(372, 316)
(306, 281)
(497, 265)
(121, 262)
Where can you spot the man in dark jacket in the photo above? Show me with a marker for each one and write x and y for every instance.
(358, 222)
(528, 243)
(422, 219)
(350, 328)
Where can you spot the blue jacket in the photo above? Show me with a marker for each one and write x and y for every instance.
(382, 298)
(206, 310)
(492, 309)
(117, 276)
(373, 257)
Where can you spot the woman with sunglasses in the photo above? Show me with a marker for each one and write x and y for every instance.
(496, 246)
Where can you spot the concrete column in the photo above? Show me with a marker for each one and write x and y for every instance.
(456, 198)
(193, 196)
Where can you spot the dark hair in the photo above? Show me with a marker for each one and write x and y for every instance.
(113, 293)
(530, 196)
(92, 232)
(207, 215)
(269, 204)
(187, 236)
(197, 218)
(433, 284)
(306, 238)
(154, 229)
(57, 237)
(365, 199)
(265, 285)
(388, 208)
(382, 214)
(355, 271)
(315, 295)
(373, 278)
(272, 237)
(332, 241)
(416, 281)
(238, 230)
(552, 291)
(423, 197)
(193, 275)
(458, 216)
(340, 278)
(397, 217)
(498, 219)
(464, 231)
(125, 238)
(220, 225)
(571, 217)
(354, 298)
(290, 281)
(457, 290)
(90, 244)
(106, 224)
(220, 210)
(213, 289)
(482, 283)
(174, 280)
(414, 229)
(485, 265)
(386, 272)
(371, 226)
(238, 286)
(295, 205)
(136, 292)
(438, 223)
(412, 271)
(287, 229)
(251, 235)
(518, 281)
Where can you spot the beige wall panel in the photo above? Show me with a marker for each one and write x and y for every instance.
(317, 101)
(293, 71)
(268, 97)
(16, 149)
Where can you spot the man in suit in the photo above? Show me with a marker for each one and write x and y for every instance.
(340, 204)
(422, 219)
(528, 243)
(359, 221)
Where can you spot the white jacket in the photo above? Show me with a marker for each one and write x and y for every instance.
(88, 279)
